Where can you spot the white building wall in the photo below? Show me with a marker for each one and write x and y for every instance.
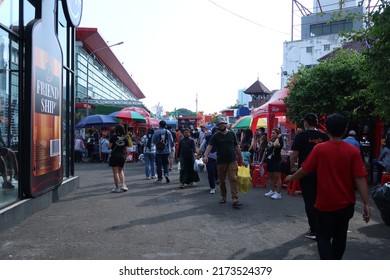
(295, 53)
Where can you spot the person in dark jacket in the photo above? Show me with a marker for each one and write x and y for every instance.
(186, 153)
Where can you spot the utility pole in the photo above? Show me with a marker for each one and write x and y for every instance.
(196, 102)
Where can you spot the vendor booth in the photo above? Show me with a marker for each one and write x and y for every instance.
(274, 111)
(275, 107)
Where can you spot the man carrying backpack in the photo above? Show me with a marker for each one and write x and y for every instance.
(163, 140)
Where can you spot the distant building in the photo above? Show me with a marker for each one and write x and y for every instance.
(319, 34)
(110, 86)
(259, 94)
(243, 99)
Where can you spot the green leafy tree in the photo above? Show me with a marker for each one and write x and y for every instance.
(378, 55)
(335, 85)
(376, 35)
(185, 112)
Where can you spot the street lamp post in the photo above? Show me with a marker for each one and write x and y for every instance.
(88, 57)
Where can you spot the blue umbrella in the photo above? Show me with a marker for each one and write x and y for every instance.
(114, 114)
(96, 120)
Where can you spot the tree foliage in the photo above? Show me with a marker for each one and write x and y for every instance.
(377, 38)
(357, 85)
(378, 55)
(182, 112)
(335, 85)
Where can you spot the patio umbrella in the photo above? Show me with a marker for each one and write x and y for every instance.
(151, 122)
(246, 121)
(96, 120)
(130, 116)
(140, 110)
(113, 114)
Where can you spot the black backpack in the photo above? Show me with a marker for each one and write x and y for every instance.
(162, 143)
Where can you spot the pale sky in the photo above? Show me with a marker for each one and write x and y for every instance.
(177, 49)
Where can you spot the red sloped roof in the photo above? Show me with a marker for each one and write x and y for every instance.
(92, 41)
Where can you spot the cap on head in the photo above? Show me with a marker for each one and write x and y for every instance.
(221, 120)
(311, 119)
(352, 133)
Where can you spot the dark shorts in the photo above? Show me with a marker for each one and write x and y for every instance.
(273, 165)
(117, 160)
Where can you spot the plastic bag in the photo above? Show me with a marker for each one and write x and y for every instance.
(381, 196)
(244, 179)
(261, 169)
(196, 167)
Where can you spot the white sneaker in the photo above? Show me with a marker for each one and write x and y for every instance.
(147, 178)
(276, 196)
(116, 190)
(124, 188)
(212, 191)
(270, 193)
(154, 177)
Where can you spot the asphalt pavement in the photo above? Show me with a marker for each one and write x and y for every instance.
(163, 222)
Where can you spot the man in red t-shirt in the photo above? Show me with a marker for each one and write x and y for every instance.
(340, 169)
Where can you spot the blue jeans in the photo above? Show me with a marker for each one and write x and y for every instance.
(149, 164)
(162, 163)
(212, 173)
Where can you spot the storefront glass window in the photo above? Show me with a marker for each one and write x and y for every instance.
(65, 124)
(9, 13)
(29, 11)
(9, 119)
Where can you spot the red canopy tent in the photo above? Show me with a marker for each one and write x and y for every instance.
(271, 109)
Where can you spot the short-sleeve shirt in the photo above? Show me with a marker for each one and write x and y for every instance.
(225, 145)
(119, 144)
(118, 148)
(305, 141)
(276, 151)
(161, 133)
(337, 164)
(352, 141)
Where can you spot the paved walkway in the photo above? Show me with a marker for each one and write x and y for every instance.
(161, 221)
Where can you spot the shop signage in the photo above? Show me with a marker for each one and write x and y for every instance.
(43, 113)
(73, 10)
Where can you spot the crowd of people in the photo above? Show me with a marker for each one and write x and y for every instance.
(328, 166)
